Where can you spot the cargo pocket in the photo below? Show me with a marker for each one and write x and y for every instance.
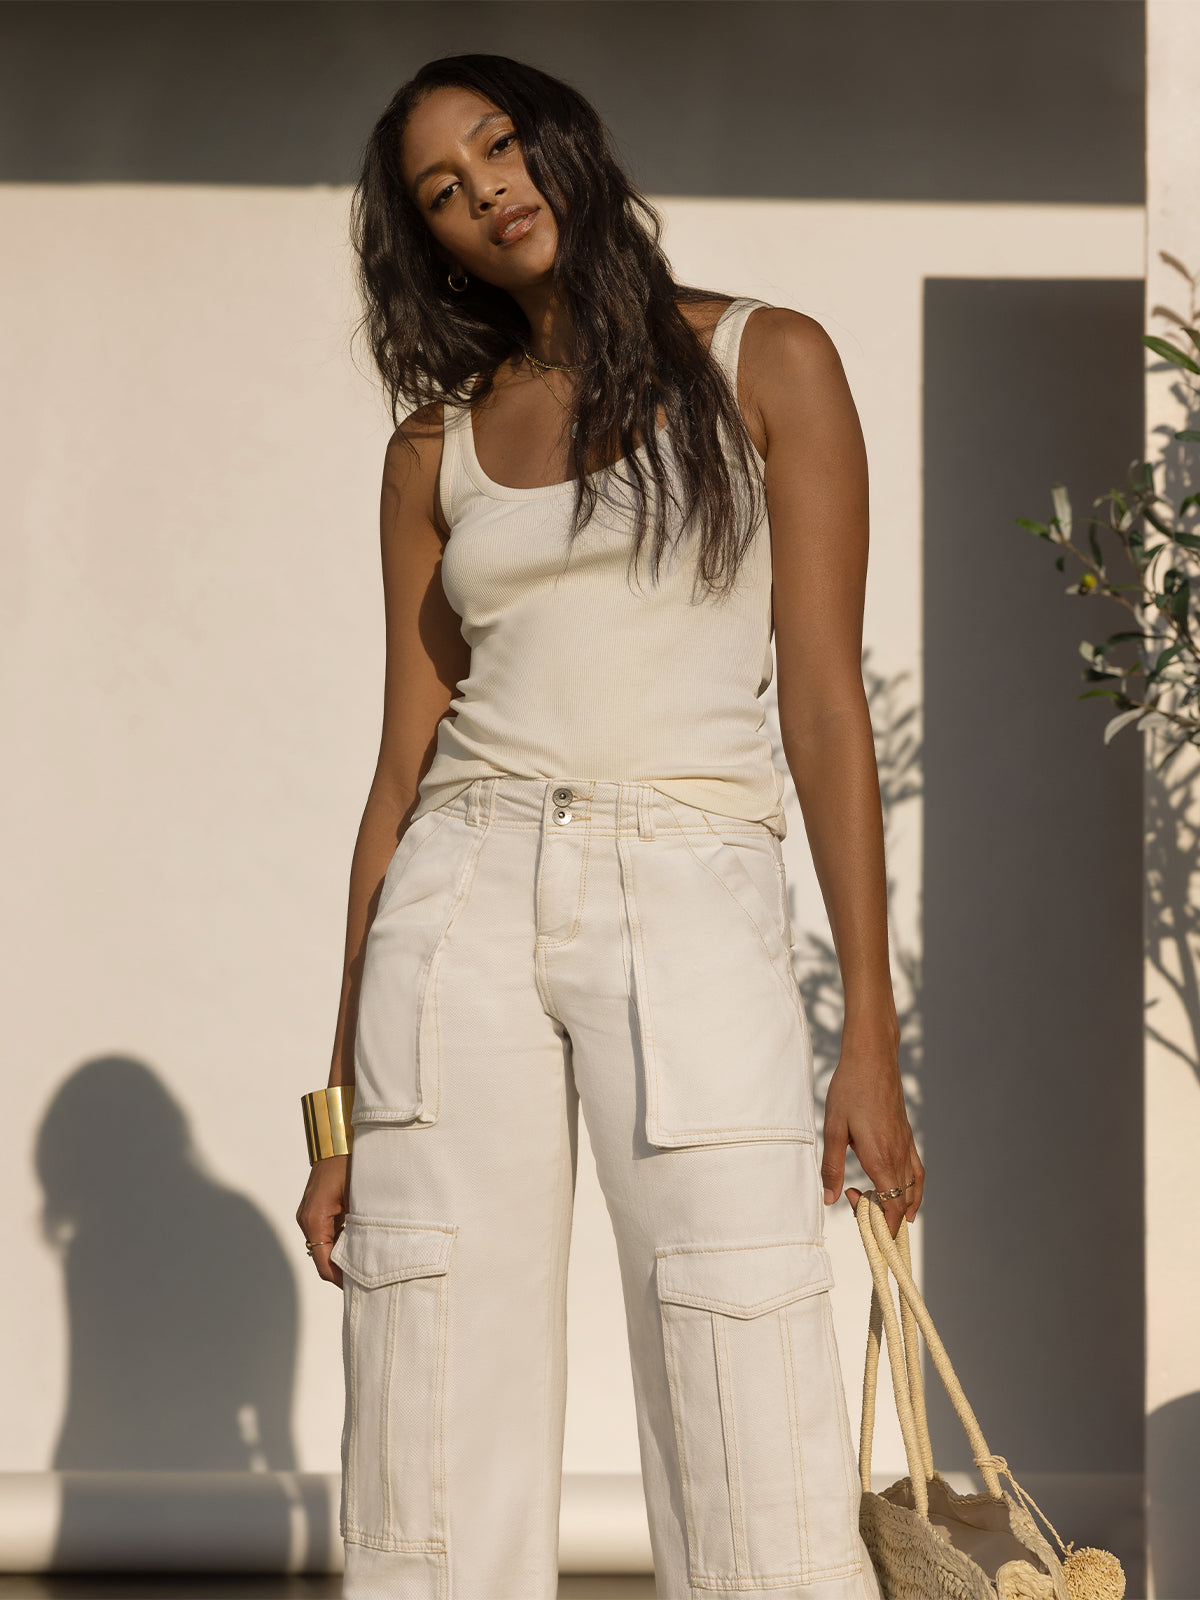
(394, 1350)
(725, 1047)
(769, 1477)
(397, 1037)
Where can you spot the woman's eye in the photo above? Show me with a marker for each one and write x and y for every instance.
(440, 197)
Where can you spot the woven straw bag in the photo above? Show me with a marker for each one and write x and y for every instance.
(926, 1541)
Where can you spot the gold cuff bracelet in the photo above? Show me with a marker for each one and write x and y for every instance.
(327, 1121)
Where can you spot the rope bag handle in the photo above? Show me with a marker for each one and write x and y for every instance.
(1090, 1574)
(884, 1252)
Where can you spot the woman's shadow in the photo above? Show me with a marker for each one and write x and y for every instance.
(181, 1305)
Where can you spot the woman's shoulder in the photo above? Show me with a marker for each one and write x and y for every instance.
(794, 332)
(412, 461)
(782, 347)
(793, 381)
(765, 328)
(419, 437)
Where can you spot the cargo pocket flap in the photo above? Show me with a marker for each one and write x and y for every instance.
(378, 1250)
(743, 1280)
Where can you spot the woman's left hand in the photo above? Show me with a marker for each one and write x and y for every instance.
(865, 1111)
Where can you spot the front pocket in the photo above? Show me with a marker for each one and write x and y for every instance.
(770, 1489)
(754, 863)
(397, 1034)
(414, 836)
(725, 1048)
(394, 1350)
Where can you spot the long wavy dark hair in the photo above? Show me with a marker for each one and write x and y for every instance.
(636, 348)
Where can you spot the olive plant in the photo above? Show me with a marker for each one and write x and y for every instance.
(1151, 671)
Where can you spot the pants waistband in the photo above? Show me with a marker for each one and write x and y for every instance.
(616, 807)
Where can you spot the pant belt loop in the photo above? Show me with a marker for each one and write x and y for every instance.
(488, 810)
(645, 811)
(473, 798)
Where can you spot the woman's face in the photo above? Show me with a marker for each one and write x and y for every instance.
(462, 165)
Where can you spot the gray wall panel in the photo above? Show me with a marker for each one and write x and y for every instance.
(1017, 100)
(1032, 1081)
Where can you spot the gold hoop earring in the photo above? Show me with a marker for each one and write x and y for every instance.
(457, 287)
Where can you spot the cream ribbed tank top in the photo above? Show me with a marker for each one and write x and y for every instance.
(582, 668)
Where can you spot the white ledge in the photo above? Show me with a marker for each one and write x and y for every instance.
(288, 1521)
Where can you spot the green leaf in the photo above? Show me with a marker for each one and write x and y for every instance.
(1042, 529)
(1097, 557)
(1156, 521)
(1059, 562)
(1121, 720)
(1189, 435)
(1169, 352)
(1108, 694)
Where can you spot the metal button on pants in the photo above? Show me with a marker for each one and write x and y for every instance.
(541, 946)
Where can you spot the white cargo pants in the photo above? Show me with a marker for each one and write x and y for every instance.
(538, 944)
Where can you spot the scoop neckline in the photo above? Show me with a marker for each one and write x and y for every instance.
(539, 491)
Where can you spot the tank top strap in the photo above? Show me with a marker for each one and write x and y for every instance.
(727, 343)
(727, 336)
(452, 474)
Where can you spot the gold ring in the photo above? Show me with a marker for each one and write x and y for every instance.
(894, 1194)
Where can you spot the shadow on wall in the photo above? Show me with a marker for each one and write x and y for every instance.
(1172, 793)
(181, 1304)
(1172, 902)
(1173, 1442)
(894, 721)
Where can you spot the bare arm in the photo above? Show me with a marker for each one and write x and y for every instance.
(426, 656)
(817, 500)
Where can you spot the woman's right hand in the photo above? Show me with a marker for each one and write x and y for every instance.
(322, 1211)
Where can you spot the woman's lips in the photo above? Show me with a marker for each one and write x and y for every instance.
(518, 228)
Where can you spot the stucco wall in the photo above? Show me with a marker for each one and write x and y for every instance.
(193, 661)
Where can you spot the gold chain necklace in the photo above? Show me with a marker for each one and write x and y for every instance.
(537, 365)
(551, 366)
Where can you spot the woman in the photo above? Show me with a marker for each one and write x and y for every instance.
(605, 479)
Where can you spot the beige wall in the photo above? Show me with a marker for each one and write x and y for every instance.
(193, 660)
(1173, 1011)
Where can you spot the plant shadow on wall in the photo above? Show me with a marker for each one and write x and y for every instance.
(1144, 552)
(894, 720)
(1145, 555)
(181, 1304)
